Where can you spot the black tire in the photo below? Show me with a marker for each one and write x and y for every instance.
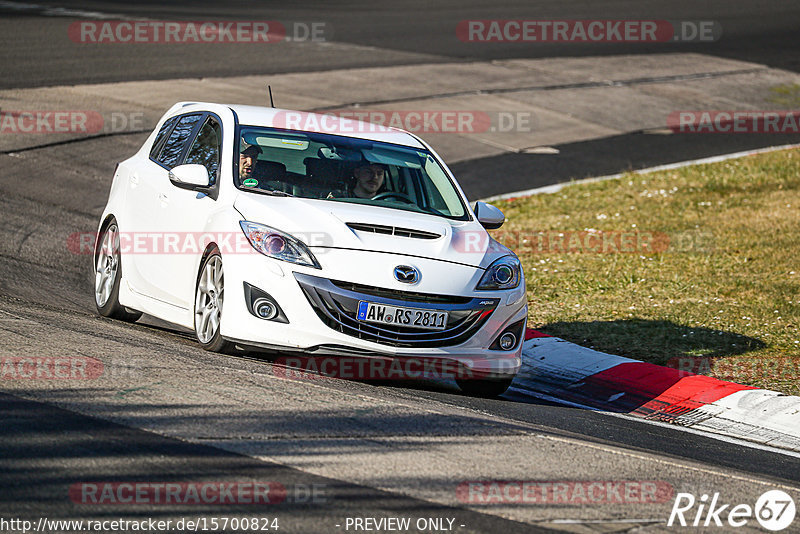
(209, 303)
(108, 273)
(487, 388)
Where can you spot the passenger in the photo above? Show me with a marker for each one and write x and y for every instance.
(247, 160)
(369, 178)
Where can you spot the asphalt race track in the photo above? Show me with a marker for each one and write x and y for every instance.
(385, 32)
(167, 411)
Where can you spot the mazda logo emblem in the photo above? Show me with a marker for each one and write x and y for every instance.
(406, 274)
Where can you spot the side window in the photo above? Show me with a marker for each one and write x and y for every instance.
(206, 148)
(161, 138)
(173, 149)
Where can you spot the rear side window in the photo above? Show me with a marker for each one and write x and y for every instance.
(161, 138)
(206, 148)
(173, 149)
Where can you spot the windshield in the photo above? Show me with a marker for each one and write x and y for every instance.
(343, 169)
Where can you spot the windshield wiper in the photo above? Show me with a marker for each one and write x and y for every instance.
(276, 192)
(432, 210)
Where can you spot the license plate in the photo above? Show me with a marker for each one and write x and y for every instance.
(371, 312)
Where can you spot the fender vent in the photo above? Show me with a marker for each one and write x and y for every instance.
(393, 230)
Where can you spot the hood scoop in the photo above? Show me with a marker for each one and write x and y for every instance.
(393, 230)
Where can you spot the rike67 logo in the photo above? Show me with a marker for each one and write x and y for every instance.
(774, 510)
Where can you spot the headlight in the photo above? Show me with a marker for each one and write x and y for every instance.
(279, 245)
(504, 273)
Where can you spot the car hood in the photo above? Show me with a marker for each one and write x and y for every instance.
(333, 224)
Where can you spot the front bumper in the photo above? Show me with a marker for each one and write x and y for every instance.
(319, 311)
(336, 304)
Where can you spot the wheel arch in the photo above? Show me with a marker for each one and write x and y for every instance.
(106, 220)
(104, 223)
(210, 248)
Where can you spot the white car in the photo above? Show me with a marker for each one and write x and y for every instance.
(257, 235)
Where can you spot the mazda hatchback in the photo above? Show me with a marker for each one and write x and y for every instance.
(298, 232)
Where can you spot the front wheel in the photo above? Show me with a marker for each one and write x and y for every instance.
(208, 305)
(488, 388)
(107, 275)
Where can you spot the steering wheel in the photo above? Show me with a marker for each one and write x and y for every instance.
(392, 194)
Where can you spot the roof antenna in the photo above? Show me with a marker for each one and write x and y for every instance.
(271, 103)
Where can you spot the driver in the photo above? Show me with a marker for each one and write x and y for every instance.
(247, 160)
(369, 179)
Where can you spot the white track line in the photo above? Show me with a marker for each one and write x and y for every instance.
(713, 159)
(51, 11)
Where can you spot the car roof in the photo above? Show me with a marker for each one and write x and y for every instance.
(309, 122)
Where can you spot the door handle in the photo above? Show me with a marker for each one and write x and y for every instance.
(134, 179)
(163, 198)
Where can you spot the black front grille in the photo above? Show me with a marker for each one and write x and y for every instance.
(336, 304)
(408, 296)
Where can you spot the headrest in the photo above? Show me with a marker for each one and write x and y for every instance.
(269, 170)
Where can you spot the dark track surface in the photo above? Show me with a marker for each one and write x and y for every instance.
(44, 449)
(36, 50)
(508, 173)
(47, 450)
(41, 257)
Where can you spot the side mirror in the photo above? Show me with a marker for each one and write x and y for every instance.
(489, 216)
(190, 176)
